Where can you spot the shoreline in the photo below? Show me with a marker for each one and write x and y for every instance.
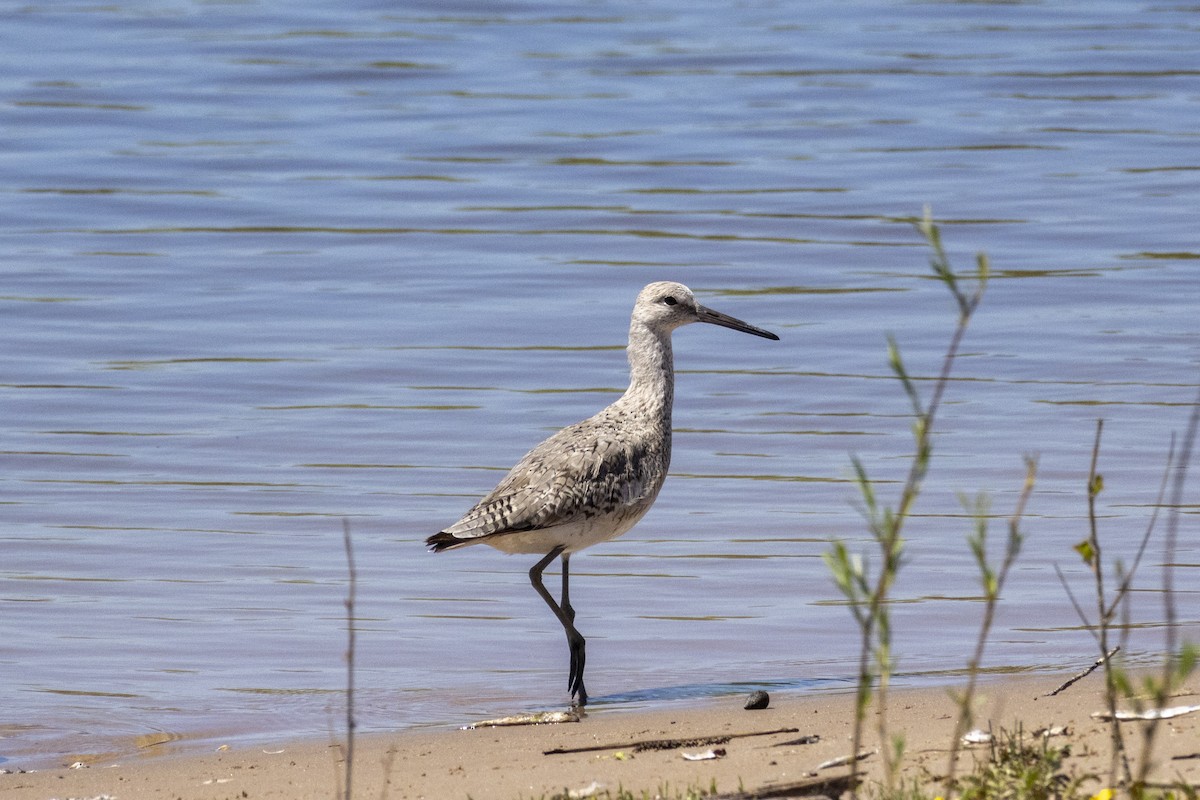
(770, 748)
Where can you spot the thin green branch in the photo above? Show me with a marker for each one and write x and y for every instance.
(868, 595)
(993, 581)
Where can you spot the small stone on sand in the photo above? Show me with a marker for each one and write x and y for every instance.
(758, 700)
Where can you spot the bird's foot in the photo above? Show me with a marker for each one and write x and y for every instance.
(575, 678)
(579, 695)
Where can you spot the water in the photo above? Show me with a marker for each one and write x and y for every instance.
(271, 267)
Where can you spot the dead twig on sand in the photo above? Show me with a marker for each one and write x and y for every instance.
(665, 744)
(834, 787)
(1074, 678)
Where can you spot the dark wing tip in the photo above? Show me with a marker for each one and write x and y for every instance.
(443, 541)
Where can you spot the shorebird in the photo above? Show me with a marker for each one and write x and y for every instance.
(592, 481)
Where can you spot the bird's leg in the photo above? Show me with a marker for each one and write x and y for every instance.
(576, 642)
(566, 616)
(566, 590)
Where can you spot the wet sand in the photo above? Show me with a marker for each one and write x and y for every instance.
(507, 763)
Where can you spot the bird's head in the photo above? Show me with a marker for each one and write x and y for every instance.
(666, 305)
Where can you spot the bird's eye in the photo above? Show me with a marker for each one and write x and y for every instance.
(670, 300)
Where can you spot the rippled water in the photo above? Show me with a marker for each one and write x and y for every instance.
(271, 267)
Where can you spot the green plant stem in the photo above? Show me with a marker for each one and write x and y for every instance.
(868, 599)
(993, 585)
(1176, 665)
(1118, 767)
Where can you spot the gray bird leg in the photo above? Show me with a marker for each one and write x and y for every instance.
(566, 616)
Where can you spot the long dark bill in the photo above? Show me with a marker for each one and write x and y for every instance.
(725, 321)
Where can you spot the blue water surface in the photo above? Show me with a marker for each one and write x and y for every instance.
(272, 267)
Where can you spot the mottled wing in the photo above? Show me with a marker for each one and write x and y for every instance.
(582, 471)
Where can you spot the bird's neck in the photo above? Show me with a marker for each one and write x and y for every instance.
(651, 371)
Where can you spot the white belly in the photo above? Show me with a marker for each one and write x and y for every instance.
(572, 537)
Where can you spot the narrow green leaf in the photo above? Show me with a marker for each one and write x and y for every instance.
(983, 267)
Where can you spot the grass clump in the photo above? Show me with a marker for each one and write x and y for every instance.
(1017, 767)
(1021, 768)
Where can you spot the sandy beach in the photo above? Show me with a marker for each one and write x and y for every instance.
(769, 750)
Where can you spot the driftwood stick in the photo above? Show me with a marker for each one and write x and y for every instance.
(666, 744)
(1086, 672)
(834, 787)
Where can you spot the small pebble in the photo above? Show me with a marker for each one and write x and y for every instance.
(758, 700)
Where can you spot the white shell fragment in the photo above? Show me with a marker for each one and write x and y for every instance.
(1154, 713)
(977, 736)
(1054, 730)
(707, 755)
(540, 718)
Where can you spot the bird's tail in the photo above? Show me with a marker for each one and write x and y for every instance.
(446, 541)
